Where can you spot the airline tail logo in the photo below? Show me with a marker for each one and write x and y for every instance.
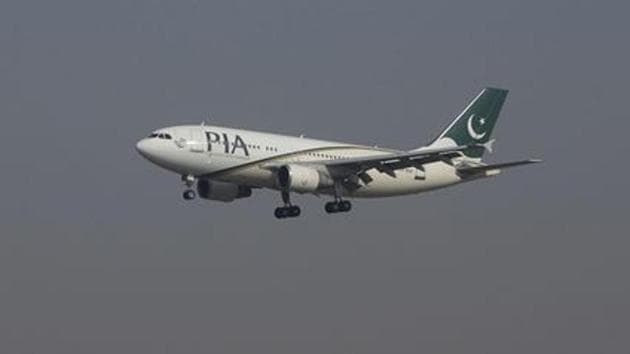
(471, 130)
(475, 124)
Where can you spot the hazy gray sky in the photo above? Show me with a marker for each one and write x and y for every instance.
(99, 254)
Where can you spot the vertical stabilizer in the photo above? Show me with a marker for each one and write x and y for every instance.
(476, 123)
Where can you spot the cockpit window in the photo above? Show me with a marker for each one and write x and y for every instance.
(161, 136)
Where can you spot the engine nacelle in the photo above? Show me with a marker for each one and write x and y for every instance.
(221, 191)
(302, 179)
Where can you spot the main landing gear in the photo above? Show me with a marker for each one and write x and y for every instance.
(189, 181)
(288, 210)
(339, 205)
(292, 211)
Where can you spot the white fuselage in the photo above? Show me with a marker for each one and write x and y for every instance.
(240, 156)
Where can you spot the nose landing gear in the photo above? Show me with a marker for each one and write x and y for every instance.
(189, 181)
(189, 194)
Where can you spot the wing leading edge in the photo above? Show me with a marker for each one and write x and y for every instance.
(387, 163)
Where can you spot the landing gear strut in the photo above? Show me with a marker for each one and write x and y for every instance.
(339, 205)
(189, 181)
(288, 210)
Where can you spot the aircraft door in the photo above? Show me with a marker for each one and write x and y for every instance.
(197, 141)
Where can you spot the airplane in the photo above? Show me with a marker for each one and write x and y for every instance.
(227, 164)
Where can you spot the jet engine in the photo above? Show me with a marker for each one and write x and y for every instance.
(222, 191)
(302, 179)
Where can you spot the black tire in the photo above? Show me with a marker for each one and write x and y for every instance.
(331, 207)
(294, 211)
(280, 213)
(345, 206)
(189, 194)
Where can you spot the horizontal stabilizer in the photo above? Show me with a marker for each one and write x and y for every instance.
(474, 170)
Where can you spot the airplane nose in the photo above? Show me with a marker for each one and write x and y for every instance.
(142, 147)
(147, 149)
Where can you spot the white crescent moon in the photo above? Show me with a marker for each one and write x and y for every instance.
(471, 130)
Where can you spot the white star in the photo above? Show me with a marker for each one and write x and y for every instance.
(482, 121)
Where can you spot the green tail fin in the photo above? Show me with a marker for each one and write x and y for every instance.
(475, 124)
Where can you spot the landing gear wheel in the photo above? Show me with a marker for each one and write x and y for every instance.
(189, 194)
(287, 212)
(280, 213)
(294, 211)
(341, 206)
(332, 207)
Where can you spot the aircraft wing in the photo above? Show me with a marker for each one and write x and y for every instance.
(475, 170)
(388, 163)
